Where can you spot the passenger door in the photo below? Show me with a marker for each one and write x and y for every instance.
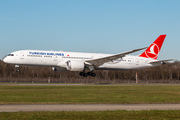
(21, 55)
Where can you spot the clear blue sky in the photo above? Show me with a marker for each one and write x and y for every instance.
(97, 26)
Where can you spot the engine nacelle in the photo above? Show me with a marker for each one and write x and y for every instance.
(74, 65)
(58, 69)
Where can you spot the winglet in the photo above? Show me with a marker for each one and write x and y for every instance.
(153, 50)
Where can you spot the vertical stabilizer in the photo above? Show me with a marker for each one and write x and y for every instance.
(153, 50)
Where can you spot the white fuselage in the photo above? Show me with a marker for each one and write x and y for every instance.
(58, 59)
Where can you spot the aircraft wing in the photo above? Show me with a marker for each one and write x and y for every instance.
(160, 61)
(100, 61)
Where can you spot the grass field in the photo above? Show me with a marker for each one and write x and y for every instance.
(88, 94)
(94, 115)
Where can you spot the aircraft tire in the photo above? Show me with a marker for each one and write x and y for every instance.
(85, 74)
(81, 73)
(89, 73)
(93, 74)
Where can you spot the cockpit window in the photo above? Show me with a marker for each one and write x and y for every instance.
(11, 55)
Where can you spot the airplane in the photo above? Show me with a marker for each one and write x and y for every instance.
(78, 61)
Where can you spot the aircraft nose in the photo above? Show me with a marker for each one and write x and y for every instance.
(5, 60)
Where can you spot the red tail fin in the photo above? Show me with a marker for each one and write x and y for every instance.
(153, 50)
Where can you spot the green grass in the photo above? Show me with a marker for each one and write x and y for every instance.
(94, 115)
(88, 94)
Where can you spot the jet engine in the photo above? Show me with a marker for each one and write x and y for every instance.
(74, 65)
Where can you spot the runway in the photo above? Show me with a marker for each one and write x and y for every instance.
(88, 107)
(91, 84)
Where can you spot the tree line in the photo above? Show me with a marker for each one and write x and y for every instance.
(169, 71)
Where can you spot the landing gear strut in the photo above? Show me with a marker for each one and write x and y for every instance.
(17, 68)
(87, 74)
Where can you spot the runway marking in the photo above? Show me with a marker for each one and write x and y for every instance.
(88, 107)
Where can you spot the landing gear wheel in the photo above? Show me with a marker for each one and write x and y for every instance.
(85, 74)
(81, 73)
(93, 74)
(89, 73)
(17, 69)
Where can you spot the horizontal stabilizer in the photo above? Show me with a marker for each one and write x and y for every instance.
(160, 61)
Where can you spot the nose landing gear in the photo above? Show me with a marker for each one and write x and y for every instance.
(17, 68)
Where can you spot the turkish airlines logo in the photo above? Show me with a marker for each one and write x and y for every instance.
(152, 51)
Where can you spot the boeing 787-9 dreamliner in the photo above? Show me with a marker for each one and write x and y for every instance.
(77, 61)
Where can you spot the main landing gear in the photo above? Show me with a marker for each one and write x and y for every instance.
(87, 74)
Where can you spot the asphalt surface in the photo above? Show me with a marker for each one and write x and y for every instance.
(88, 107)
(109, 84)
